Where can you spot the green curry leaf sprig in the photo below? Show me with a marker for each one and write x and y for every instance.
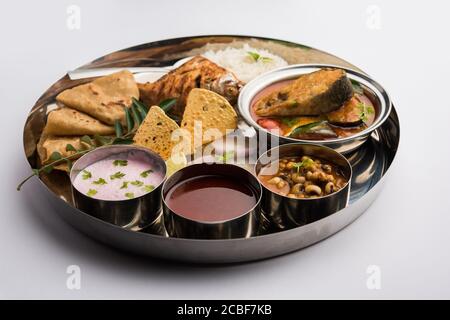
(134, 116)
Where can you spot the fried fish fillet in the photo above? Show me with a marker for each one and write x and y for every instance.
(315, 93)
(198, 72)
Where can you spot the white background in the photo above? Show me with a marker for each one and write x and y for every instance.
(406, 232)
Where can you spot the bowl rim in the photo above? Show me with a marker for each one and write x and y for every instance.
(249, 91)
(328, 149)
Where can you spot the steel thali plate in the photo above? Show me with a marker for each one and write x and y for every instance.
(370, 163)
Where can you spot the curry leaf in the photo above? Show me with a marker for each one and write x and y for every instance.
(69, 163)
(122, 141)
(129, 119)
(87, 140)
(305, 128)
(48, 169)
(141, 108)
(136, 116)
(70, 147)
(167, 104)
(118, 128)
(289, 121)
(102, 140)
(55, 156)
(357, 87)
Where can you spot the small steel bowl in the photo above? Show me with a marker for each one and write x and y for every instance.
(134, 214)
(285, 212)
(243, 226)
(376, 93)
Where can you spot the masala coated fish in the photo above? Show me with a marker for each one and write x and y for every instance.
(314, 93)
(198, 72)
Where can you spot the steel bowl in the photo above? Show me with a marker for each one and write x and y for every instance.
(285, 212)
(372, 89)
(134, 214)
(243, 226)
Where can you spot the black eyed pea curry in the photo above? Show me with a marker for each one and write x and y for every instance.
(303, 177)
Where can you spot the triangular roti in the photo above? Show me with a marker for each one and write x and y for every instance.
(70, 122)
(103, 98)
(210, 112)
(155, 132)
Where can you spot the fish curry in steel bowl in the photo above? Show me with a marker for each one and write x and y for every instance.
(321, 105)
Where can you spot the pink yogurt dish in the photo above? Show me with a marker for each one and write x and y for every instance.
(121, 176)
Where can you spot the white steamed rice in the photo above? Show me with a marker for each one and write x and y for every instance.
(239, 61)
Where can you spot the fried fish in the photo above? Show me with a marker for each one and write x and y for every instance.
(315, 93)
(198, 72)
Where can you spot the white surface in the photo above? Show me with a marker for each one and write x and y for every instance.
(406, 232)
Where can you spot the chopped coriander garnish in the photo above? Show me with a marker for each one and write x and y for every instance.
(257, 57)
(137, 183)
(120, 163)
(124, 185)
(254, 55)
(100, 181)
(148, 188)
(92, 192)
(364, 111)
(129, 195)
(303, 164)
(117, 175)
(86, 175)
(145, 173)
